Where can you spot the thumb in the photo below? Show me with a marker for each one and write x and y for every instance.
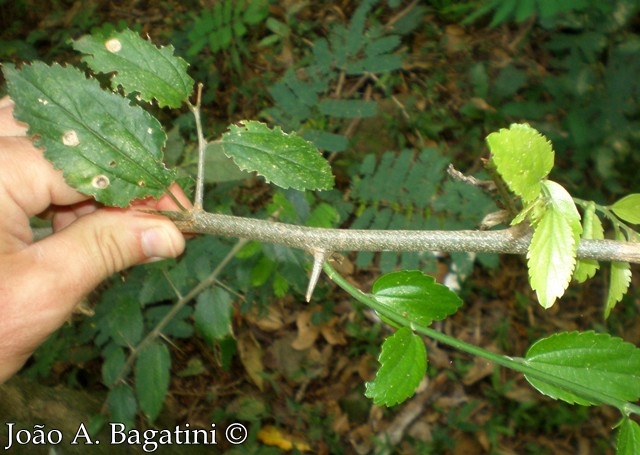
(60, 270)
(48, 278)
(105, 242)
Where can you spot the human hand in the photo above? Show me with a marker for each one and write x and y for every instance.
(41, 282)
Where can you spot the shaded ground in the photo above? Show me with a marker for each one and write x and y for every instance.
(307, 389)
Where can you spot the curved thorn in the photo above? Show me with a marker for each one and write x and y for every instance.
(319, 257)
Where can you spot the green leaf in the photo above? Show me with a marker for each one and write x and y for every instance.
(552, 253)
(219, 167)
(125, 322)
(114, 360)
(105, 147)
(591, 229)
(348, 108)
(416, 296)
(619, 280)
(628, 441)
(523, 157)
(122, 405)
(140, 66)
(152, 375)
(403, 364)
(287, 160)
(596, 361)
(212, 315)
(628, 208)
(324, 216)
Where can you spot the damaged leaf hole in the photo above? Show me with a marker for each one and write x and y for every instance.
(142, 183)
(100, 182)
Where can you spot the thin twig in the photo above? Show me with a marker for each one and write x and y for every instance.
(157, 330)
(202, 146)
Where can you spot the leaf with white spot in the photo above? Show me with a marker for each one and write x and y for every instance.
(287, 160)
(140, 66)
(105, 147)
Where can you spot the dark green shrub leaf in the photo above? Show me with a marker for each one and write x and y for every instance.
(416, 296)
(114, 360)
(523, 157)
(348, 108)
(628, 208)
(330, 142)
(596, 361)
(403, 363)
(122, 405)
(125, 322)
(212, 315)
(628, 442)
(287, 160)
(105, 147)
(140, 66)
(152, 375)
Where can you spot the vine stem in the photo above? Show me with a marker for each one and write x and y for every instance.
(514, 240)
(513, 363)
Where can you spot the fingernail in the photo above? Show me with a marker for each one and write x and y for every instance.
(157, 243)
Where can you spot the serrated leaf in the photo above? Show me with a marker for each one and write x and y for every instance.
(591, 229)
(105, 147)
(114, 360)
(416, 296)
(596, 361)
(212, 315)
(551, 257)
(122, 405)
(523, 157)
(152, 375)
(403, 364)
(628, 441)
(619, 280)
(125, 322)
(287, 160)
(139, 66)
(628, 208)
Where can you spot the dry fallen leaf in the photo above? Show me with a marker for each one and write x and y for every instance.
(274, 436)
(251, 357)
(307, 332)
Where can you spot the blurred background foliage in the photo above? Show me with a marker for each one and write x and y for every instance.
(392, 92)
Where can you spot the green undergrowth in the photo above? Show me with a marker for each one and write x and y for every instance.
(584, 99)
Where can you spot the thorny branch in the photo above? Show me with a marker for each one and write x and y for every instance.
(514, 240)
